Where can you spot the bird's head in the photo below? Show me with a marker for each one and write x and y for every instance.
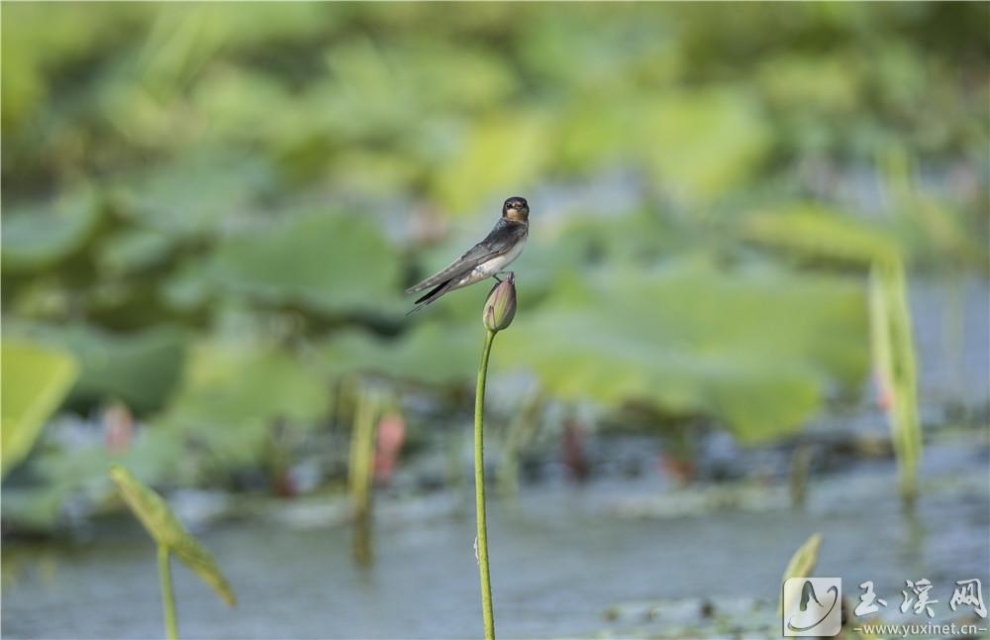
(516, 209)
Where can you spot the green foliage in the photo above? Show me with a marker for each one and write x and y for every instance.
(896, 371)
(195, 195)
(234, 394)
(40, 236)
(802, 563)
(66, 471)
(39, 43)
(701, 145)
(500, 155)
(431, 98)
(140, 370)
(332, 264)
(360, 467)
(34, 380)
(266, 180)
(166, 530)
(817, 231)
(481, 541)
(814, 232)
(430, 353)
(755, 349)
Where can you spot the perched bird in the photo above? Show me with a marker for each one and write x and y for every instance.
(483, 260)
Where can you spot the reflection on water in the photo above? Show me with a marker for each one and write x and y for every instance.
(362, 541)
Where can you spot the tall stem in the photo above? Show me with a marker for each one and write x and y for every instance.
(479, 490)
(168, 599)
(361, 470)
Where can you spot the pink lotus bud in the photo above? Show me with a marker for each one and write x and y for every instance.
(500, 308)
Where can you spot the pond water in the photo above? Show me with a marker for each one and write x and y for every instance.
(602, 560)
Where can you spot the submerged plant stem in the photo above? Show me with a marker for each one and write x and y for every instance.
(479, 490)
(168, 598)
(895, 360)
(366, 415)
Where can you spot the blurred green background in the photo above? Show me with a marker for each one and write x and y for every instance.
(216, 208)
(210, 213)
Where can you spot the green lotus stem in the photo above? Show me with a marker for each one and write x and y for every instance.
(168, 598)
(500, 309)
(893, 353)
(366, 414)
(479, 490)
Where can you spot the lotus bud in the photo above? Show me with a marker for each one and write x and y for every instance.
(500, 308)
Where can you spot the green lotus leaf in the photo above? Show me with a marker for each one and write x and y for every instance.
(701, 145)
(816, 231)
(330, 263)
(802, 563)
(40, 236)
(433, 352)
(480, 167)
(166, 530)
(233, 394)
(195, 194)
(133, 251)
(140, 369)
(35, 381)
(757, 350)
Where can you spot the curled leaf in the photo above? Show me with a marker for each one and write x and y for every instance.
(803, 562)
(167, 531)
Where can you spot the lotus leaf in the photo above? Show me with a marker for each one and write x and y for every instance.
(233, 394)
(481, 168)
(35, 380)
(432, 352)
(817, 231)
(330, 263)
(194, 195)
(757, 349)
(802, 563)
(167, 531)
(40, 236)
(139, 369)
(701, 145)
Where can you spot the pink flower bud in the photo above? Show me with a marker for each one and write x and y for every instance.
(500, 308)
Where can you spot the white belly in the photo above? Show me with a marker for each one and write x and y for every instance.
(493, 266)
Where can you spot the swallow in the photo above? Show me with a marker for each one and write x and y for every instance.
(499, 248)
